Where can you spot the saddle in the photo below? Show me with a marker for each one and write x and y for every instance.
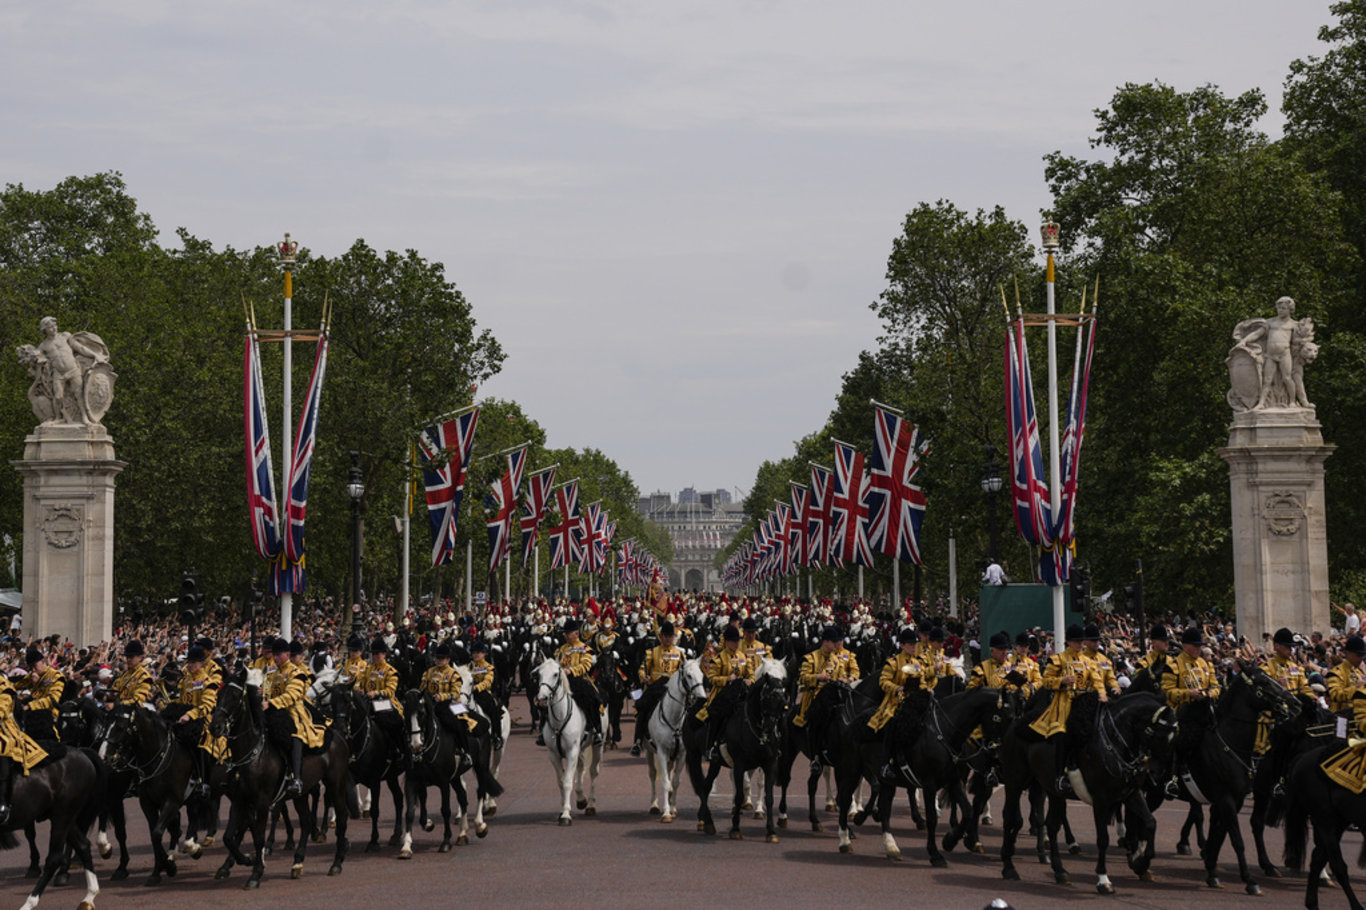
(908, 723)
(55, 750)
(1034, 709)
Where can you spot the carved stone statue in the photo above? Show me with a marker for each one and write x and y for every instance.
(73, 382)
(1266, 362)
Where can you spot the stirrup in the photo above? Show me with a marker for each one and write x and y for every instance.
(816, 766)
(293, 786)
(1279, 790)
(1172, 790)
(1064, 785)
(635, 750)
(540, 739)
(4, 813)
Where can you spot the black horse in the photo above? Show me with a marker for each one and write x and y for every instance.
(62, 789)
(85, 723)
(145, 745)
(751, 738)
(376, 760)
(1215, 749)
(257, 780)
(918, 750)
(1312, 730)
(1115, 745)
(1318, 800)
(439, 761)
(609, 674)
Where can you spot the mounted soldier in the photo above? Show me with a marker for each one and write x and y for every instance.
(134, 685)
(484, 677)
(729, 664)
(45, 686)
(1067, 675)
(198, 694)
(901, 671)
(379, 683)
(577, 660)
(288, 720)
(661, 662)
(1348, 677)
(1156, 661)
(16, 747)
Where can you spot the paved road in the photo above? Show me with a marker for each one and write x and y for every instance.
(625, 858)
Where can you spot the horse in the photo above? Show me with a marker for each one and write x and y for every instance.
(1317, 799)
(144, 744)
(439, 761)
(608, 676)
(572, 752)
(664, 746)
(63, 789)
(84, 722)
(257, 780)
(1116, 745)
(375, 759)
(1216, 747)
(751, 738)
(1310, 731)
(535, 650)
(918, 750)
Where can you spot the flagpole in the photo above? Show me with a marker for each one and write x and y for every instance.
(469, 576)
(536, 571)
(1050, 245)
(896, 580)
(287, 251)
(407, 514)
(953, 575)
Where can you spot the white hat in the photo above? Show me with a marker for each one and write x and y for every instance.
(388, 627)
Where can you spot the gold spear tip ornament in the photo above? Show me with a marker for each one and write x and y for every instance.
(1050, 230)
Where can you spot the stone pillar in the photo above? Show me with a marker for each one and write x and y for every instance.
(1280, 539)
(68, 573)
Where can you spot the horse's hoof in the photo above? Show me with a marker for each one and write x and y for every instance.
(1213, 882)
(1043, 859)
(736, 835)
(1271, 872)
(581, 804)
(372, 847)
(491, 811)
(701, 825)
(1105, 888)
(1147, 876)
(296, 871)
(106, 851)
(782, 822)
(1010, 874)
(919, 825)
(445, 847)
(667, 819)
(987, 822)
(481, 831)
(85, 905)
(120, 874)
(894, 855)
(208, 840)
(590, 811)
(708, 828)
(395, 840)
(290, 845)
(771, 839)
(758, 816)
(319, 837)
(251, 885)
(152, 881)
(978, 848)
(429, 825)
(830, 805)
(405, 853)
(464, 839)
(1062, 878)
(1074, 849)
(846, 848)
(1183, 849)
(334, 870)
(747, 806)
(32, 872)
(939, 862)
(61, 879)
(171, 869)
(565, 822)
(654, 810)
(1254, 889)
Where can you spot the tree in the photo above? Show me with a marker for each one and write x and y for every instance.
(1194, 220)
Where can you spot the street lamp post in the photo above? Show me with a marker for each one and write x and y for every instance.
(355, 488)
(991, 485)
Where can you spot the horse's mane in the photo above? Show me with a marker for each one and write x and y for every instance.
(322, 683)
(466, 680)
(772, 669)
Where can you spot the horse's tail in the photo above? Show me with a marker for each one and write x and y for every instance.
(352, 798)
(1275, 810)
(1296, 834)
(695, 774)
(90, 809)
(487, 782)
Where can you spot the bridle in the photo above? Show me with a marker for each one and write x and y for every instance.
(229, 727)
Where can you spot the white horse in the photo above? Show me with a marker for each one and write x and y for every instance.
(665, 744)
(567, 740)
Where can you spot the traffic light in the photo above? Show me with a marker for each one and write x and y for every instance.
(191, 602)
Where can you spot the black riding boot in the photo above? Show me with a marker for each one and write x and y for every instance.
(6, 787)
(295, 785)
(1064, 783)
(201, 773)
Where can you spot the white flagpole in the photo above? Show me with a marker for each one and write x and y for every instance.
(1050, 244)
(469, 576)
(953, 575)
(287, 250)
(403, 556)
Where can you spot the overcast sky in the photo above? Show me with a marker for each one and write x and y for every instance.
(672, 215)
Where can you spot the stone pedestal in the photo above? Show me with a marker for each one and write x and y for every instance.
(69, 532)
(1280, 539)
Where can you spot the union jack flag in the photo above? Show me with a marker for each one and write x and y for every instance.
(801, 524)
(849, 508)
(822, 518)
(1028, 486)
(444, 450)
(787, 553)
(1055, 562)
(899, 504)
(289, 572)
(626, 563)
(505, 507)
(565, 537)
(262, 508)
(537, 504)
(593, 552)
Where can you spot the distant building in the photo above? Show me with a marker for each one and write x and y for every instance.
(701, 525)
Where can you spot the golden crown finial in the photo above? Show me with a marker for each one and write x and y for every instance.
(1050, 231)
(287, 249)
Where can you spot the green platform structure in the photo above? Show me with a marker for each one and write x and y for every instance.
(1013, 608)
